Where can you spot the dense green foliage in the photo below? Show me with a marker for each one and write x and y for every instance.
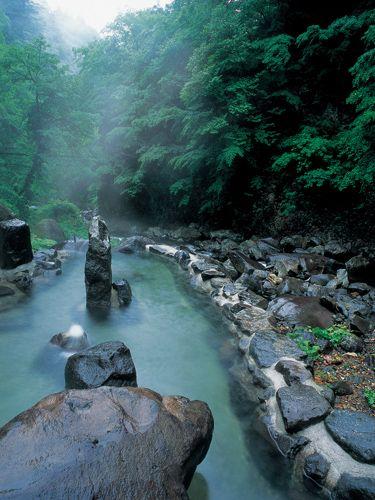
(222, 110)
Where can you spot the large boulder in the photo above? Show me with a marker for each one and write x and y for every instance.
(98, 270)
(355, 432)
(301, 406)
(105, 364)
(301, 311)
(104, 443)
(50, 229)
(244, 264)
(15, 244)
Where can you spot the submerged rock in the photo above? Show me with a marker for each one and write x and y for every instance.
(75, 339)
(98, 271)
(104, 443)
(315, 471)
(301, 406)
(124, 292)
(109, 363)
(15, 244)
(355, 432)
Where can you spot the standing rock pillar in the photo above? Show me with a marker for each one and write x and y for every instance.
(98, 270)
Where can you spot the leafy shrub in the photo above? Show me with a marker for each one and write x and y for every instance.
(370, 397)
(65, 213)
(334, 334)
(41, 243)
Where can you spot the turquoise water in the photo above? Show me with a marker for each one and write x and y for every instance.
(178, 343)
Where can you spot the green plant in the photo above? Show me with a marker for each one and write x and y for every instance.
(334, 334)
(310, 349)
(41, 243)
(65, 213)
(370, 397)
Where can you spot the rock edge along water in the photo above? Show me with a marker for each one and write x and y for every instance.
(255, 321)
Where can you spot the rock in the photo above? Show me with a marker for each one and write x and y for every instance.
(23, 281)
(292, 286)
(200, 265)
(244, 344)
(75, 339)
(337, 250)
(329, 395)
(342, 278)
(286, 445)
(315, 471)
(189, 234)
(252, 319)
(321, 279)
(354, 488)
(244, 264)
(361, 325)
(219, 282)
(225, 234)
(105, 443)
(183, 258)
(157, 233)
(212, 273)
(230, 270)
(301, 311)
(352, 343)
(292, 371)
(360, 288)
(5, 214)
(109, 364)
(301, 406)
(124, 292)
(6, 291)
(135, 244)
(15, 244)
(342, 388)
(250, 298)
(50, 229)
(268, 347)
(98, 270)
(361, 269)
(164, 250)
(290, 243)
(354, 432)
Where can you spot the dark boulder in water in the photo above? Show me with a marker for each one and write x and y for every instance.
(105, 364)
(104, 443)
(98, 270)
(124, 292)
(15, 244)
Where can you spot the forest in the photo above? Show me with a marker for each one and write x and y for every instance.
(255, 114)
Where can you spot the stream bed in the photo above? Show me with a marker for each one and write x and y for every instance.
(179, 346)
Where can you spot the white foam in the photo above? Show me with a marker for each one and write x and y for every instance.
(75, 331)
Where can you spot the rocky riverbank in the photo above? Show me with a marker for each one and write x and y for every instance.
(302, 311)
